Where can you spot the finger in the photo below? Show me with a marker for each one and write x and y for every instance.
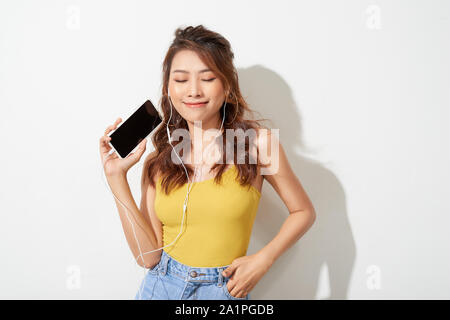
(230, 286)
(139, 151)
(109, 156)
(229, 272)
(143, 144)
(110, 128)
(113, 126)
(114, 155)
(238, 293)
(104, 146)
(235, 293)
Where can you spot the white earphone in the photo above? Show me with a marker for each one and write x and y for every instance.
(189, 187)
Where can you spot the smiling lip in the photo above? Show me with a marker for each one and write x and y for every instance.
(195, 105)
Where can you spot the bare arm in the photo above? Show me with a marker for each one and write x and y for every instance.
(301, 217)
(143, 229)
(138, 230)
(301, 210)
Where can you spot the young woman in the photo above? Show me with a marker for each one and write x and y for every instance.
(204, 241)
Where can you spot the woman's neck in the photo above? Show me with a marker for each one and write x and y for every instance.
(203, 134)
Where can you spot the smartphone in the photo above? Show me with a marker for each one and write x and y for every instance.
(135, 129)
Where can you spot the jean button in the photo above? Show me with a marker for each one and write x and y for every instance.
(193, 274)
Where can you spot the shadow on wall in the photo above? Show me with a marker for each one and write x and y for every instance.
(329, 242)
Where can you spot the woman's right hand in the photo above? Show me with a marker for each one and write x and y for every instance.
(113, 164)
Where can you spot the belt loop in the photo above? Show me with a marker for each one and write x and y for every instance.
(219, 280)
(164, 262)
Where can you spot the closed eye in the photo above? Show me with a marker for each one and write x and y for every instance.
(209, 80)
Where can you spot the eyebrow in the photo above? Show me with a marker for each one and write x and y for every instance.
(184, 71)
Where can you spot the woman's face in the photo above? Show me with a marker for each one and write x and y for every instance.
(190, 82)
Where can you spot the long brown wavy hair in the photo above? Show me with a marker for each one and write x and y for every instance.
(215, 51)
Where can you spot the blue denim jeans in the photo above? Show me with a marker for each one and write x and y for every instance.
(172, 280)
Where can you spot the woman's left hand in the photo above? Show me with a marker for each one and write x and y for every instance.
(244, 273)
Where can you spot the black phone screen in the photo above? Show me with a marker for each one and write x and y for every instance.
(136, 128)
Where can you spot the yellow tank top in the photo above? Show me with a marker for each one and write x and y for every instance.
(217, 224)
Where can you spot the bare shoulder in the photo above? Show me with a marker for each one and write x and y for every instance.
(271, 153)
(279, 172)
(268, 146)
(255, 151)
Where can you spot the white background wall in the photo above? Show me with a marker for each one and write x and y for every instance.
(359, 90)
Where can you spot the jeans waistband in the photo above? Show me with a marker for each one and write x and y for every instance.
(188, 273)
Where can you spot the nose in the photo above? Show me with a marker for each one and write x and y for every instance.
(194, 89)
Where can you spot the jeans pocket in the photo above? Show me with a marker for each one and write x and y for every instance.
(228, 294)
(147, 286)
